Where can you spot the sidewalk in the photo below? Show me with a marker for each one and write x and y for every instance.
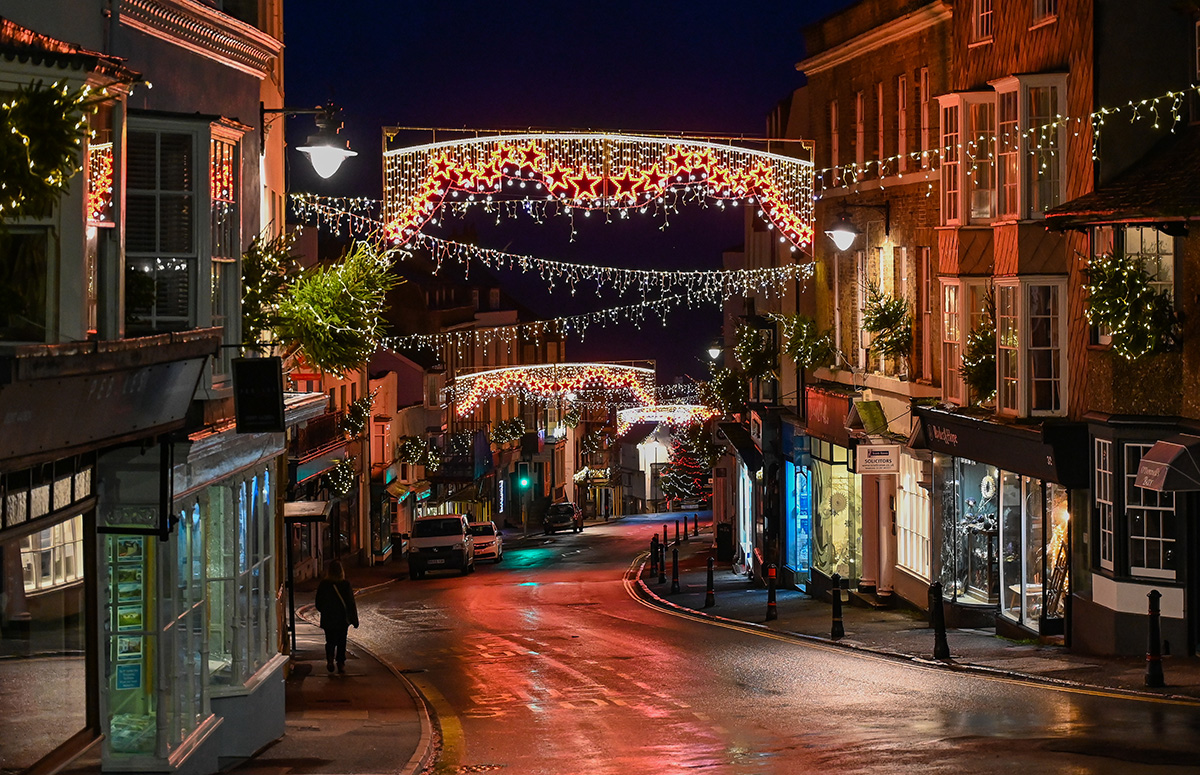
(899, 633)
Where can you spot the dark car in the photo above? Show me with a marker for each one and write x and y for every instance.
(563, 516)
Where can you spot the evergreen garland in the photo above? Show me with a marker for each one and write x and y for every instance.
(41, 144)
(267, 267)
(804, 343)
(888, 320)
(507, 430)
(411, 450)
(754, 353)
(354, 422)
(1121, 299)
(726, 392)
(334, 314)
(978, 362)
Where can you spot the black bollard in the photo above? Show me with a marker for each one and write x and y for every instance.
(710, 597)
(1154, 670)
(674, 570)
(662, 564)
(837, 630)
(695, 524)
(676, 531)
(685, 532)
(665, 541)
(772, 612)
(937, 620)
(654, 554)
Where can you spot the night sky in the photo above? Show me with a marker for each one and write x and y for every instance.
(662, 66)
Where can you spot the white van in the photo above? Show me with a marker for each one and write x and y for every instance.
(441, 542)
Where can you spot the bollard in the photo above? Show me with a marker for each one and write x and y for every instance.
(676, 531)
(695, 524)
(662, 564)
(685, 531)
(664, 543)
(837, 630)
(710, 597)
(1154, 670)
(937, 620)
(772, 612)
(674, 570)
(654, 554)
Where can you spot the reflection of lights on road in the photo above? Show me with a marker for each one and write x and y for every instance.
(528, 584)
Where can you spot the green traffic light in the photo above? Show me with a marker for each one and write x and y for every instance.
(524, 482)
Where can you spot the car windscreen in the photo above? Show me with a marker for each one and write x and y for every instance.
(483, 530)
(561, 509)
(436, 527)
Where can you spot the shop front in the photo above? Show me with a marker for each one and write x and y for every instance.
(1002, 499)
(837, 492)
(747, 478)
(798, 511)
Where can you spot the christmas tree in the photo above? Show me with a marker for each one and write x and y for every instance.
(686, 475)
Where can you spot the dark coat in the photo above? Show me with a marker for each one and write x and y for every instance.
(335, 602)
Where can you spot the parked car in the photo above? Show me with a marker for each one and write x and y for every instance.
(441, 542)
(488, 541)
(563, 516)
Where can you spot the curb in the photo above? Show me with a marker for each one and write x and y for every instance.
(634, 573)
(425, 756)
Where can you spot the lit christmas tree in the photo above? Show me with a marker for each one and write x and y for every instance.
(686, 475)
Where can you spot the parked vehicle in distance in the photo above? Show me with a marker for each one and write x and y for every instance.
(488, 541)
(441, 542)
(563, 516)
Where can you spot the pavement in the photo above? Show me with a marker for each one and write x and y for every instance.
(373, 719)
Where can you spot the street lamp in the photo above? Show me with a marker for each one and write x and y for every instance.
(843, 232)
(324, 149)
(714, 349)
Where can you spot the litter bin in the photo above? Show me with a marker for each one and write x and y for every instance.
(724, 542)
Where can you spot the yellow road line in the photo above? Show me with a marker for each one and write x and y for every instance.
(449, 759)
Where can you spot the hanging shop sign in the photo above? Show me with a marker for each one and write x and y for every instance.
(258, 395)
(877, 459)
(826, 416)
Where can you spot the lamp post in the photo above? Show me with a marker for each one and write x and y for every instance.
(324, 149)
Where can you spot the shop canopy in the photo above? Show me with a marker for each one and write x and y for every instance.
(1171, 465)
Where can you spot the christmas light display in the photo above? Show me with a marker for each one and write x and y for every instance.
(1139, 318)
(100, 183)
(686, 476)
(675, 415)
(552, 380)
(591, 171)
(342, 476)
(41, 145)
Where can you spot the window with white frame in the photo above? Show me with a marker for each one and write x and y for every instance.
(952, 382)
(950, 163)
(1105, 505)
(914, 518)
(1155, 250)
(53, 557)
(901, 123)
(834, 152)
(1032, 143)
(923, 99)
(860, 130)
(880, 153)
(981, 177)
(1044, 10)
(981, 20)
(1030, 351)
(1151, 518)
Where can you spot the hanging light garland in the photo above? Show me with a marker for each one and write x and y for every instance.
(675, 415)
(1038, 141)
(552, 381)
(100, 183)
(593, 171)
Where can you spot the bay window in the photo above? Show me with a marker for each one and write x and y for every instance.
(963, 309)
(1032, 143)
(950, 163)
(1030, 346)
(968, 162)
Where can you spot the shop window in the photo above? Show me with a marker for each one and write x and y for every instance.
(968, 499)
(1104, 498)
(837, 526)
(1151, 523)
(1034, 553)
(913, 518)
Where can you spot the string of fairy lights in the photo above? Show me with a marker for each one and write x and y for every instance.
(513, 336)
(1040, 142)
(553, 381)
(674, 415)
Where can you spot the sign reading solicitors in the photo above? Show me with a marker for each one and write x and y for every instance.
(877, 459)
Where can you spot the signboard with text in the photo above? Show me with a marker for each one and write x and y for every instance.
(877, 459)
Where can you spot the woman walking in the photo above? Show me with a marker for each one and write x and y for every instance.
(335, 602)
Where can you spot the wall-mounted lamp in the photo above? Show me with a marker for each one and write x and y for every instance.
(325, 149)
(715, 349)
(843, 232)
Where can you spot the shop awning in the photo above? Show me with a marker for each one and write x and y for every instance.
(1171, 465)
(400, 490)
(306, 511)
(743, 443)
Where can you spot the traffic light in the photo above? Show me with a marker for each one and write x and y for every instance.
(522, 475)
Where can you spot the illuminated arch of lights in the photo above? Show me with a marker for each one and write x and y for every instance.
(594, 171)
(673, 414)
(551, 381)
